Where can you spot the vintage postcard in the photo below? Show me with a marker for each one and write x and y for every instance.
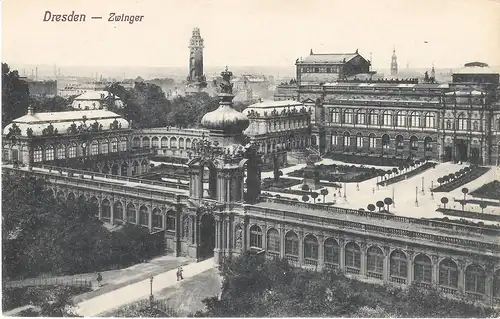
(217, 158)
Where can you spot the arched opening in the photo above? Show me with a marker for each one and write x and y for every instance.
(475, 153)
(164, 142)
(375, 262)
(400, 144)
(313, 140)
(105, 169)
(170, 223)
(311, 250)
(71, 198)
(386, 142)
(475, 279)
(124, 169)
(157, 221)
(352, 258)
(81, 198)
(448, 153)
(135, 168)
(155, 142)
(118, 211)
(422, 269)
(106, 210)
(94, 205)
(399, 267)
(136, 142)
(359, 141)
(131, 213)
(207, 236)
(448, 273)
(60, 196)
(255, 238)
(181, 143)
(273, 243)
(143, 216)
(332, 253)
(427, 147)
(413, 144)
(114, 169)
(145, 142)
(292, 247)
(209, 180)
(372, 141)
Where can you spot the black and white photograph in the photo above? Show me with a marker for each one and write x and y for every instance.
(251, 158)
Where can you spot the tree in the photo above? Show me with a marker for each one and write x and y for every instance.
(395, 170)
(451, 176)
(15, 95)
(389, 172)
(324, 192)
(465, 191)
(314, 195)
(276, 168)
(388, 201)
(444, 201)
(380, 204)
(483, 205)
(305, 187)
(371, 207)
(305, 198)
(440, 180)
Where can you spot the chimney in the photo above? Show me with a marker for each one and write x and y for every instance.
(30, 110)
(36, 73)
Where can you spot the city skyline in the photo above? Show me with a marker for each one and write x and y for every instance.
(254, 33)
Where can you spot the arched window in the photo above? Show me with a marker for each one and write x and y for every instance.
(104, 146)
(496, 285)
(415, 119)
(61, 152)
(181, 143)
(387, 118)
(72, 151)
(188, 143)
(413, 143)
(164, 142)
(131, 213)
(428, 143)
(155, 142)
(145, 142)
(400, 144)
(475, 126)
(399, 265)
(359, 140)
(273, 240)
(136, 142)
(334, 116)
(386, 141)
(448, 273)
(429, 120)
(334, 138)
(123, 145)
(49, 153)
(352, 255)
(348, 116)
(171, 220)
(372, 141)
(157, 221)
(360, 117)
(173, 142)
(114, 145)
(118, 210)
(332, 251)
(475, 279)
(462, 122)
(106, 209)
(291, 244)
(448, 125)
(255, 237)
(375, 262)
(143, 216)
(347, 139)
(422, 269)
(94, 147)
(310, 247)
(401, 119)
(373, 118)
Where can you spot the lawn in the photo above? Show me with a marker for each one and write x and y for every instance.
(270, 184)
(490, 190)
(340, 173)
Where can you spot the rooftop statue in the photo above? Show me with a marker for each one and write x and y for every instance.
(226, 86)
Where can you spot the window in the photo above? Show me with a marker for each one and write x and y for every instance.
(157, 221)
(448, 273)
(372, 141)
(106, 209)
(429, 120)
(310, 247)
(359, 140)
(386, 141)
(475, 126)
(348, 116)
(399, 264)
(291, 244)
(72, 151)
(334, 116)
(347, 139)
(422, 269)
(94, 148)
(61, 152)
(334, 138)
(400, 119)
(415, 120)
(145, 142)
(462, 122)
(131, 213)
(448, 125)
(155, 142)
(273, 240)
(49, 153)
(171, 220)
(104, 147)
(352, 255)
(143, 216)
(360, 117)
(173, 142)
(387, 119)
(475, 279)
(123, 145)
(118, 211)
(255, 236)
(37, 155)
(114, 145)
(164, 142)
(332, 251)
(413, 143)
(373, 118)
(375, 260)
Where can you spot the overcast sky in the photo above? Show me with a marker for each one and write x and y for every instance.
(255, 33)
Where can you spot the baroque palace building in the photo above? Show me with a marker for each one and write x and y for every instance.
(228, 216)
(458, 121)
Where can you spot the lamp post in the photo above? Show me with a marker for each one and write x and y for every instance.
(345, 196)
(423, 191)
(151, 298)
(393, 198)
(432, 185)
(416, 196)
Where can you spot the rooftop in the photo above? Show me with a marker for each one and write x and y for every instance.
(274, 104)
(95, 95)
(336, 58)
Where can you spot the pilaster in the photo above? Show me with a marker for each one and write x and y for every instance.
(409, 256)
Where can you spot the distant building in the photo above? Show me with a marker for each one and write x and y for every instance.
(41, 88)
(94, 100)
(196, 78)
(476, 73)
(394, 64)
(323, 68)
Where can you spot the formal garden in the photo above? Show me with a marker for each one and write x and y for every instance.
(406, 171)
(461, 177)
(490, 190)
(342, 173)
(369, 159)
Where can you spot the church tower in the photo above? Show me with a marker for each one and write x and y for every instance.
(196, 57)
(394, 63)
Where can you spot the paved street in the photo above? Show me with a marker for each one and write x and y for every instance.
(139, 290)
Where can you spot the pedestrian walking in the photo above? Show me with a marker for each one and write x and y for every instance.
(180, 273)
(99, 279)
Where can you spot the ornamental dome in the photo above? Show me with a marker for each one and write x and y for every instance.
(226, 119)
